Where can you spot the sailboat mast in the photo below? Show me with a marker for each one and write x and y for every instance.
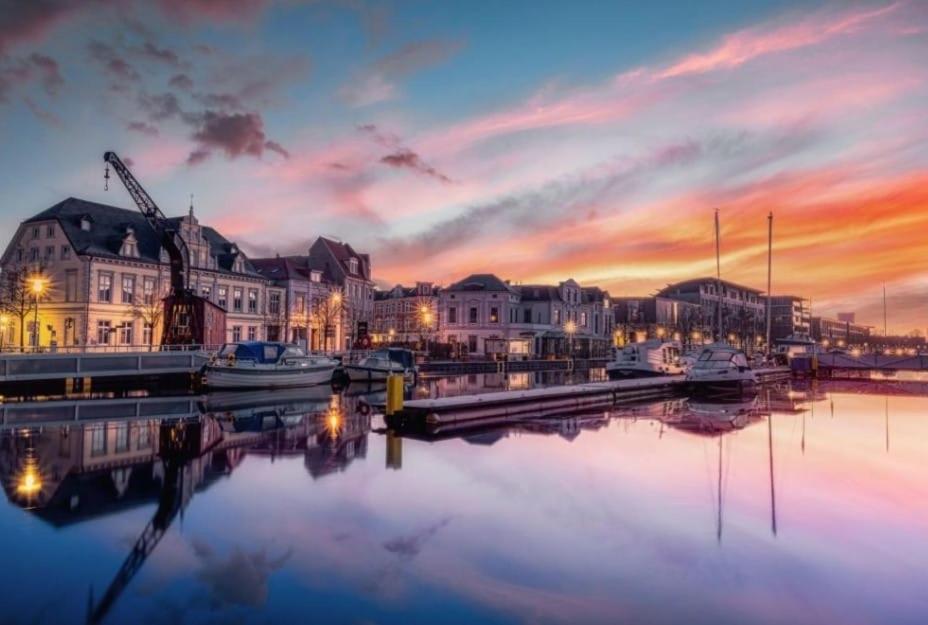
(718, 275)
(885, 332)
(769, 273)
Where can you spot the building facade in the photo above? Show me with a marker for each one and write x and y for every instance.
(742, 308)
(405, 315)
(350, 272)
(640, 318)
(486, 316)
(104, 275)
(307, 313)
(840, 333)
(789, 316)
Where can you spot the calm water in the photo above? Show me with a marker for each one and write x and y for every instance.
(299, 508)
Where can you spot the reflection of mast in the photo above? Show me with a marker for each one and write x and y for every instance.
(886, 416)
(773, 495)
(718, 529)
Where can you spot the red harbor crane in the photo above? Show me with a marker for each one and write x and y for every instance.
(188, 318)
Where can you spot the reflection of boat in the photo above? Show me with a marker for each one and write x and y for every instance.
(256, 364)
(382, 363)
(292, 400)
(646, 359)
(722, 370)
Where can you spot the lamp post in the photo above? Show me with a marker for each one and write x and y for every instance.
(425, 318)
(570, 328)
(4, 328)
(37, 286)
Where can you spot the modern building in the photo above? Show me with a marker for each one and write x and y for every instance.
(789, 316)
(406, 315)
(487, 316)
(640, 318)
(103, 275)
(840, 333)
(743, 314)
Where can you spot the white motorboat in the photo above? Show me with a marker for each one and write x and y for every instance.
(257, 364)
(646, 359)
(722, 370)
(381, 364)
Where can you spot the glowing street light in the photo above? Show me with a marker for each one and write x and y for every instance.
(37, 285)
(570, 328)
(4, 328)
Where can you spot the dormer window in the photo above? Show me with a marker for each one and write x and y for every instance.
(130, 246)
(315, 276)
(353, 265)
(238, 265)
(86, 223)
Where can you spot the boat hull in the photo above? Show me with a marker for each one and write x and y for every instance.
(368, 374)
(246, 378)
(741, 387)
(628, 373)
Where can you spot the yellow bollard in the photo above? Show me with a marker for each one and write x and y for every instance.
(394, 394)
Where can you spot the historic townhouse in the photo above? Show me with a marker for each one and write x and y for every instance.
(405, 315)
(350, 271)
(488, 316)
(310, 308)
(105, 273)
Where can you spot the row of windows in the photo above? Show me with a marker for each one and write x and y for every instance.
(48, 254)
(122, 334)
(49, 231)
(123, 433)
(127, 289)
(237, 333)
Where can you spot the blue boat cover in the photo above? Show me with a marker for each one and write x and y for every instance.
(259, 351)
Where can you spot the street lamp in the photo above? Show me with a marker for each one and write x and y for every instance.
(4, 328)
(37, 286)
(570, 328)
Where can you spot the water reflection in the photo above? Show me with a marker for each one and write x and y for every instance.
(302, 498)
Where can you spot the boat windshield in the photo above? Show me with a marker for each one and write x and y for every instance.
(710, 359)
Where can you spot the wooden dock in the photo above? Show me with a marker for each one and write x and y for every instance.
(493, 407)
(488, 408)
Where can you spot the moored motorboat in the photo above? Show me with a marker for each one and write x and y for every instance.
(721, 370)
(382, 364)
(646, 359)
(258, 364)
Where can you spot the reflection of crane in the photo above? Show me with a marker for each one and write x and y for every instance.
(179, 441)
(184, 312)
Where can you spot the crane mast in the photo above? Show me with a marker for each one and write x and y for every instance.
(188, 319)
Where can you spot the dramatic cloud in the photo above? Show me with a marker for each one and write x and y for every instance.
(143, 128)
(240, 579)
(112, 62)
(31, 21)
(34, 68)
(161, 55)
(407, 159)
(235, 135)
(160, 106)
(212, 10)
(181, 81)
(377, 83)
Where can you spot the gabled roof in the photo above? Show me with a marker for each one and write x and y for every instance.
(109, 227)
(481, 282)
(332, 259)
(282, 267)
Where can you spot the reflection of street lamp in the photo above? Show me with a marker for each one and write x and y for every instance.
(37, 286)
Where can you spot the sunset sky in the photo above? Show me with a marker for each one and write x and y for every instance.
(537, 140)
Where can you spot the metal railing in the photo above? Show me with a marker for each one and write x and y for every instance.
(105, 349)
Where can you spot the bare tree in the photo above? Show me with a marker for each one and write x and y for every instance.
(327, 314)
(151, 312)
(17, 298)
